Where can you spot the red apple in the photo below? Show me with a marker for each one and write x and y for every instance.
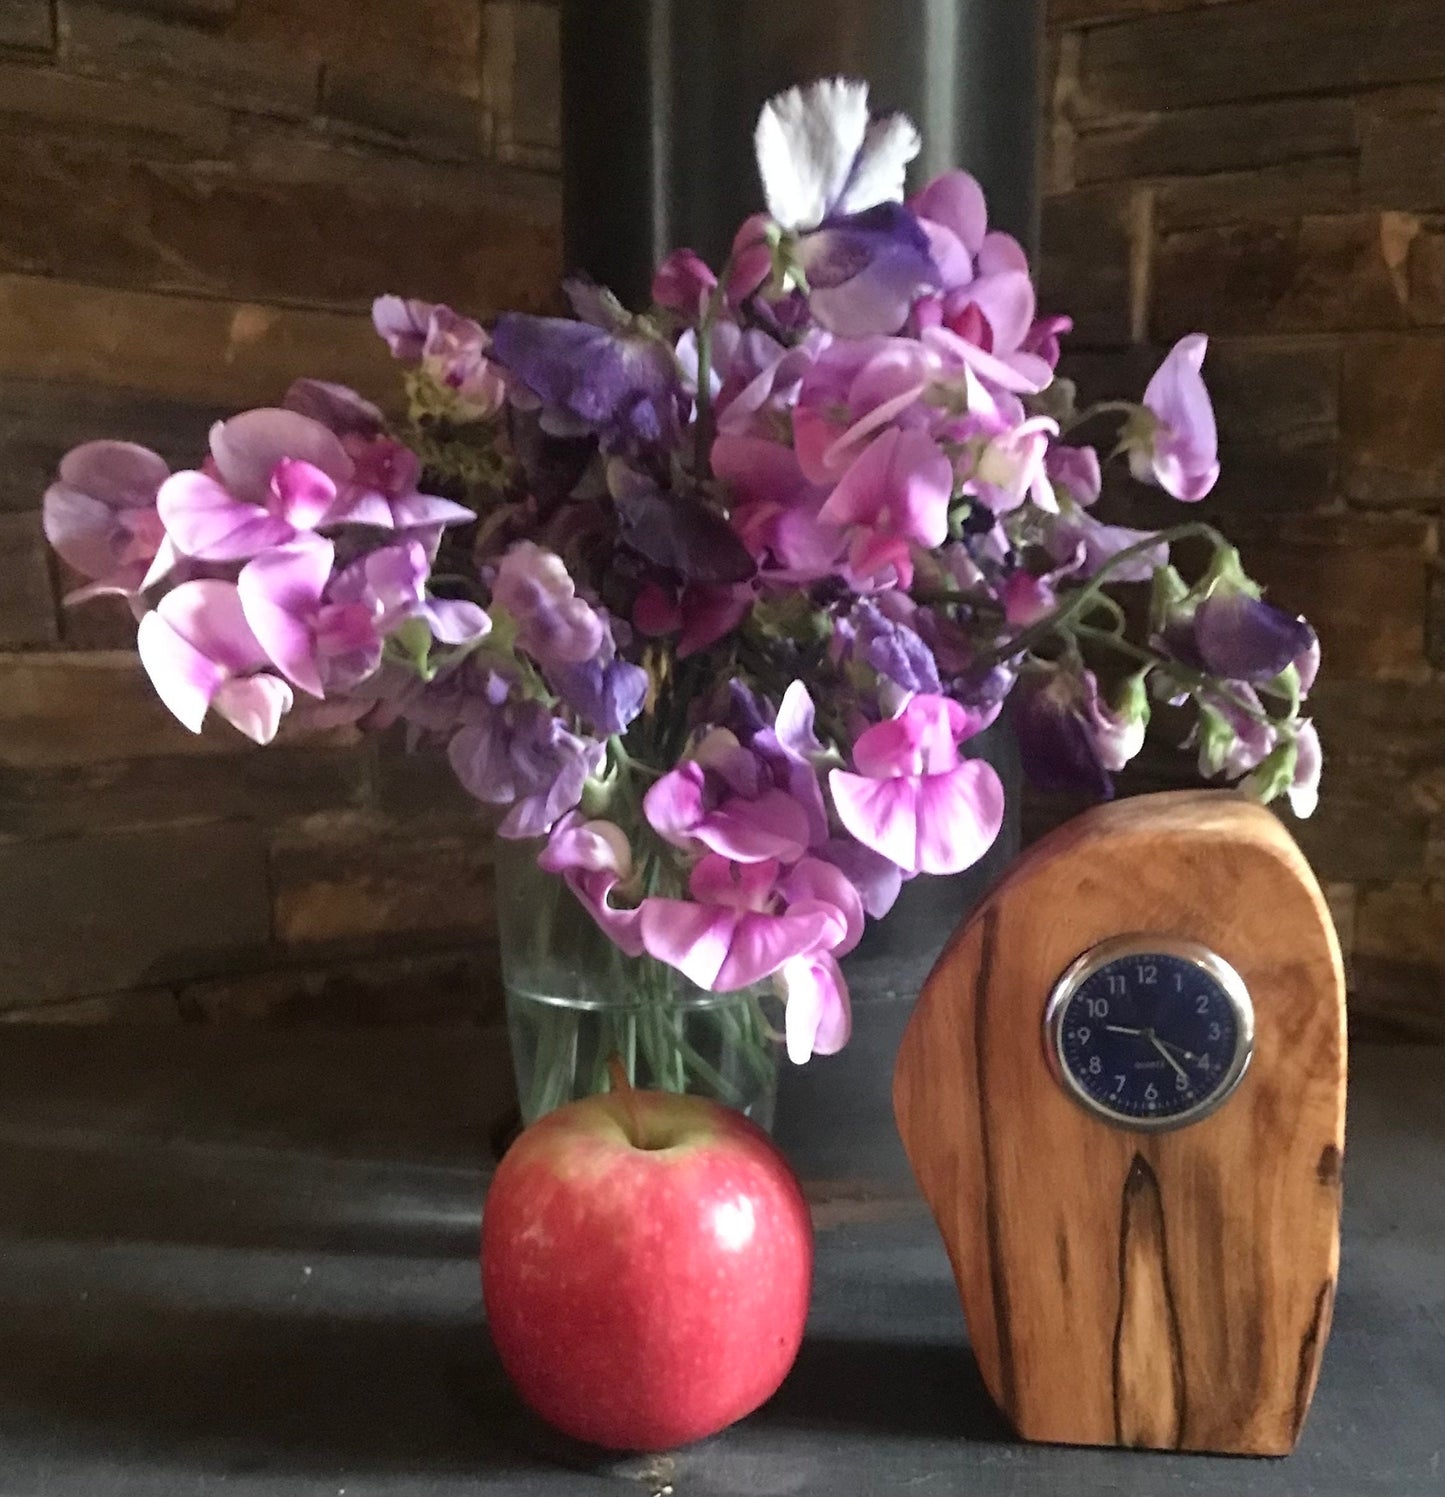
(646, 1263)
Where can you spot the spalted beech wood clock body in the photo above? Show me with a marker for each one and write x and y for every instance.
(1122, 1092)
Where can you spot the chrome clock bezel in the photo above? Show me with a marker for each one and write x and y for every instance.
(1214, 966)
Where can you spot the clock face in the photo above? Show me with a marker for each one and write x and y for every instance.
(1150, 1032)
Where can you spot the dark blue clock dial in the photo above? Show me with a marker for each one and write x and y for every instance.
(1151, 1037)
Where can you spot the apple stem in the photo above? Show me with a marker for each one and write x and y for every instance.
(627, 1094)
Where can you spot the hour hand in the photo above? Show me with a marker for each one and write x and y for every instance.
(1121, 1029)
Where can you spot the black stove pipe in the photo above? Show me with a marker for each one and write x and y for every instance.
(659, 99)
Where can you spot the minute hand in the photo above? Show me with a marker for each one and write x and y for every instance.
(1158, 1044)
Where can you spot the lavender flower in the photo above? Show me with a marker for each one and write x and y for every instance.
(622, 386)
(519, 755)
(1175, 444)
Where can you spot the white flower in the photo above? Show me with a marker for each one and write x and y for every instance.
(820, 155)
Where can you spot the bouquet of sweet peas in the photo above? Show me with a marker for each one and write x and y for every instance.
(709, 597)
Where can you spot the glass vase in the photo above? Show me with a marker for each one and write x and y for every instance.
(574, 1001)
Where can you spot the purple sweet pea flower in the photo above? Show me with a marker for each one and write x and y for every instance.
(786, 753)
(594, 859)
(1246, 639)
(1042, 339)
(200, 653)
(876, 878)
(679, 532)
(743, 922)
(607, 693)
(519, 755)
(756, 377)
(912, 799)
(852, 390)
(391, 584)
(1232, 733)
(318, 645)
(890, 646)
(865, 269)
(554, 626)
(954, 212)
(1082, 546)
(1069, 738)
(776, 510)
(382, 490)
(1178, 447)
(100, 516)
(1028, 597)
(622, 386)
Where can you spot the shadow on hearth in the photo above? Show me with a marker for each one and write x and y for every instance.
(197, 1390)
(886, 1388)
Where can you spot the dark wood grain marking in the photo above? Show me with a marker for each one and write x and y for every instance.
(1309, 1353)
(998, 1281)
(1327, 1171)
(1061, 1251)
(1141, 1219)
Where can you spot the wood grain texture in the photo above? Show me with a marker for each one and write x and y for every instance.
(1168, 1290)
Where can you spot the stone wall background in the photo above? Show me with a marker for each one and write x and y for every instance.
(1273, 172)
(198, 199)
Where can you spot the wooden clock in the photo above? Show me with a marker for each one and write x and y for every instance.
(1122, 1092)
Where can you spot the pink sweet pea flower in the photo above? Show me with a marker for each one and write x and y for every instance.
(593, 858)
(449, 349)
(699, 614)
(777, 511)
(316, 644)
(683, 283)
(200, 653)
(985, 313)
(273, 475)
(1179, 451)
(1010, 467)
(854, 389)
(817, 1016)
(743, 923)
(100, 516)
(896, 493)
(724, 801)
(751, 257)
(912, 799)
(383, 491)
